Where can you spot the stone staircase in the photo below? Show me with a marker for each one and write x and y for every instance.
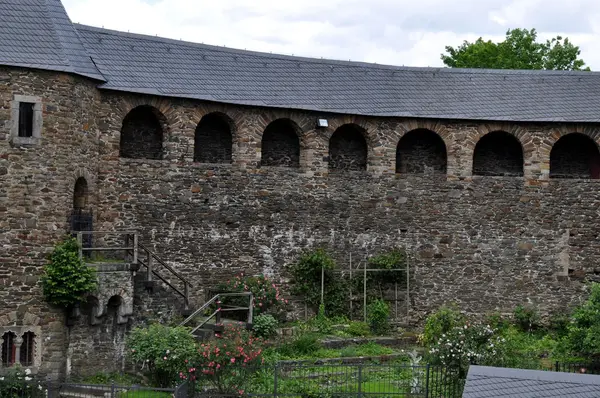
(119, 256)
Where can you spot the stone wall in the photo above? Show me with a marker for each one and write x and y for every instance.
(37, 182)
(488, 243)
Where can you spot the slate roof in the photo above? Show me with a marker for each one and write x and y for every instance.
(490, 382)
(39, 34)
(166, 67)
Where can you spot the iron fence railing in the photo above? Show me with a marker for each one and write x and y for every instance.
(333, 380)
(32, 388)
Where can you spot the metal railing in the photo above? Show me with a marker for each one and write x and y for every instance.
(132, 248)
(32, 388)
(220, 308)
(335, 380)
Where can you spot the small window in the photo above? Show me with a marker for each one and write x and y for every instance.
(9, 350)
(27, 349)
(26, 119)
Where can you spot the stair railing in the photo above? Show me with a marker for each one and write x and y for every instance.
(152, 262)
(220, 309)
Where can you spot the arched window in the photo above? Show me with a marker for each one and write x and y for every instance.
(575, 156)
(26, 352)
(280, 144)
(498, 154)
(213, 140)
(80, 194)
(142, 134)
(348, 149)
(421, 152)
(9, 349)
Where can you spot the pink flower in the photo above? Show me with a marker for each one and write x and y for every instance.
(164, 358)
(232, 360)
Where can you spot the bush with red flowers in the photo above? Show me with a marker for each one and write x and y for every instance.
(267, 295)
(227, 362)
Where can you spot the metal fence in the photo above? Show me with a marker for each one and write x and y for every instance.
(334, 380)
(31, 388)
(592, 368)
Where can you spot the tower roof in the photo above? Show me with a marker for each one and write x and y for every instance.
(39, 34)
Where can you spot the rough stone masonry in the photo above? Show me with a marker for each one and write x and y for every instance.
(492, 213)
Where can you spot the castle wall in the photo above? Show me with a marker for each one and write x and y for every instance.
(485, 242)
(36, 198)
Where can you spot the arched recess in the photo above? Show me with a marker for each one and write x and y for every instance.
(142, 133)
(575, 155)
(348, 148)
(421, 151)
(213, 139)
(80, 194)
(280, 145)
(498, 154)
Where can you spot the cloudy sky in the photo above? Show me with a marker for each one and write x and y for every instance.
(398, 32)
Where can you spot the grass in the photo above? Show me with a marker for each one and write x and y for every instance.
(308, 348)
(144, 394)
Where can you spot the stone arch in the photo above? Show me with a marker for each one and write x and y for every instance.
(80, 194)
(280, 144)
(348, 149)
(142, 133)
(421, 151)
(498, 153)
(575, 155)
(213, 139)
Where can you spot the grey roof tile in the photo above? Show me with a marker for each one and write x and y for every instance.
(39, 34)
(490, 382)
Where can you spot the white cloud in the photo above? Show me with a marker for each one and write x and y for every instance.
(401, 32)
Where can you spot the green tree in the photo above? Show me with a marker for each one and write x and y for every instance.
(67, 279)
(519, 50)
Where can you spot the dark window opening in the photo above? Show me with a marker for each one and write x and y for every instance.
(26, 119)
(80, 194)
(498, 154)
(27, 349)
(213, 140)
(142, 134)
(348, 149)
(280, 145)
(421, 152)
(575, 156)
(9, 349)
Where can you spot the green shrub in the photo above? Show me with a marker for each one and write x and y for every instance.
(358, 329)
(378, 315)
(67, 279)
(301, 346)
(559, 323)
(526, 318)
(17, 382)
(441, 322)
(466, 344)
(306, 282)
(497, 321)
(265, 326)
(584, 332)
(228, 362)
(163, 351)
(395, 259)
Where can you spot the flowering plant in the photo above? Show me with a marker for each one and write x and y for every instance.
(227, 361)
(266, 293)
(467, 344)
(18, 383)
(161, 351)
